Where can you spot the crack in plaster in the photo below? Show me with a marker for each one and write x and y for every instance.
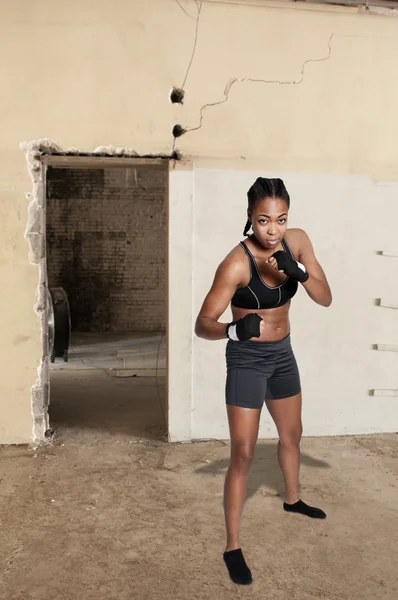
(183, 9)
(231, 82)
(199, 8)
(199, 4)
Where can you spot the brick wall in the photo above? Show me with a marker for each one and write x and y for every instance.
(106, 245)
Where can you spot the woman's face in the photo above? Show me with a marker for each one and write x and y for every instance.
(269, 221)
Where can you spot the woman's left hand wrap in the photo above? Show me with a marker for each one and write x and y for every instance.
(292, 268)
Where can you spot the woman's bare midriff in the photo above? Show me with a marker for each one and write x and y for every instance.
(276, 321)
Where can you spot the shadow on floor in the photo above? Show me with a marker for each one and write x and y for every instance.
(265, 473)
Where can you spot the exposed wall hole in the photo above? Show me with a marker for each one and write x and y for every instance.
(178, 131)
(177, 96)
(91, 214)
(115, 292)
(83, 216)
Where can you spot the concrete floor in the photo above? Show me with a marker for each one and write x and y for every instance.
(110, 511)
(113, 518)
(140, 353)
(111, 384)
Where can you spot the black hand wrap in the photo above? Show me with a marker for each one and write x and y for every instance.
(290, 267)
(245, 328)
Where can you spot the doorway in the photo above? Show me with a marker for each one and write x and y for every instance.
(106, 249)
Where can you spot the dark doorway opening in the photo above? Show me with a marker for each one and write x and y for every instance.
(106, 249)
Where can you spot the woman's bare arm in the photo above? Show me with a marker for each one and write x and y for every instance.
(316, 286)
(227, 279)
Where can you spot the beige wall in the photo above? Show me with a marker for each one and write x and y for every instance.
(90, 73)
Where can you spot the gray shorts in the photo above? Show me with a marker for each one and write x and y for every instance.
(260, 370)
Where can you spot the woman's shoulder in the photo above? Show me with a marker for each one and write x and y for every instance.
(296, 233)
(296, 237)
(237, 254)
(235, 263)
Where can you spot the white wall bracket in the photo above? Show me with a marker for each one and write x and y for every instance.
(387, 303)
(388, 253)
(386, 347)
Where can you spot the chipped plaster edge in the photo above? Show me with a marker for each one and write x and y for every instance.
(35, 234)
(382, 11)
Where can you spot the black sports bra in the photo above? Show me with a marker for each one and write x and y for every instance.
(258, 294)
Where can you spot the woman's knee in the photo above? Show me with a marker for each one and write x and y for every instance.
(242, 456)
(291, 437)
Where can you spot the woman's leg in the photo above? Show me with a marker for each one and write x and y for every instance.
(243, 426)
(286, 414)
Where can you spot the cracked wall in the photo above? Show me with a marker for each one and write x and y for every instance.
(283, 89)
(291, 89)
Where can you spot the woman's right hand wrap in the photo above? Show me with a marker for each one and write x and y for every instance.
(244, 329)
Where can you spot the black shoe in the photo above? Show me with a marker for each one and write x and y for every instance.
(303, 508)
(238, 570)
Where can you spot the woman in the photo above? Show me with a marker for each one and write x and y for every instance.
(259, 277)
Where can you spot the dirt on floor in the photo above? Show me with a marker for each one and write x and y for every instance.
(113, 516)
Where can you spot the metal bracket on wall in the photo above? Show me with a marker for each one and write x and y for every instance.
(386, 347)
(390, 393)
(387, 303)
(388, 253)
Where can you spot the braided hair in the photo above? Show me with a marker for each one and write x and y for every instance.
(265, 188)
